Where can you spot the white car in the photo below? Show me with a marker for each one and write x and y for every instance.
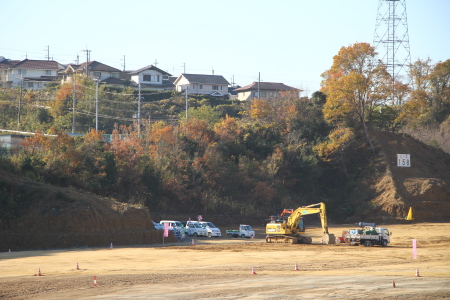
(193, 228)
(212, 229)
(173, 225)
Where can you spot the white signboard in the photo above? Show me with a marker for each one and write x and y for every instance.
(403, 160)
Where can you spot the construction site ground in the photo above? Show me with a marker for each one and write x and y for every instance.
(221, 268)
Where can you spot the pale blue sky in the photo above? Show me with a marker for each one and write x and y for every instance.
(291, 41)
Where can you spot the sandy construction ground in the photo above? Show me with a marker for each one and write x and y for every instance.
(222, 269)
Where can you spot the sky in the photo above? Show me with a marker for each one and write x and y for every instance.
(288, 41)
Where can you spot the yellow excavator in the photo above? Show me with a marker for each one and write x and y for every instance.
(288, 227)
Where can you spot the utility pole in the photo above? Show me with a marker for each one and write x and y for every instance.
(139, 111)
(73, 102)
(87, 60)
(48, 53)
(156, 63)
(184, 66)
(123, 63)
(20, 103)
(96, 106)
(259, 81)
(213, 70)
(186, 95)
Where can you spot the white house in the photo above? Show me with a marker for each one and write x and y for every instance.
(267, 90)
(198, 84)
(153, 78)
(31, 74)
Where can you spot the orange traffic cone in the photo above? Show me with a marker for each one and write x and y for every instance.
(78, 267)
(253, 271)
(193, 242)
(111, 246)
(393, 283)
(296, 267)
(417, 273)
(95, 280)
(39, 272)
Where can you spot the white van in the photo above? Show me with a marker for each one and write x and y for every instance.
(193, 228)
(173, 225)
(211, 228)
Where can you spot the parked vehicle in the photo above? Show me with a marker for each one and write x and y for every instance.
(244, 231)
(173, 225)
(211, 228)
(368, 235)
(158, 226)
(194, 228)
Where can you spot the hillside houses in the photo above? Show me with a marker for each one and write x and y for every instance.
(36, 74)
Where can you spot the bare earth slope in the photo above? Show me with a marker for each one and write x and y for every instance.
(65, 217)
(390, 190)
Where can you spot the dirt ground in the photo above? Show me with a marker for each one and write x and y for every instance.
(221, 268)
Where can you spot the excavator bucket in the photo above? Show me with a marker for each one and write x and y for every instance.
(329, 239)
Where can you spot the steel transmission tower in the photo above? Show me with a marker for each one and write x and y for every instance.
(391, 38)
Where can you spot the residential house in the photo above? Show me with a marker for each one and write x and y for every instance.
(152, 77)
(31, 74)
(267, 90)
(198, 84)
(93, 69)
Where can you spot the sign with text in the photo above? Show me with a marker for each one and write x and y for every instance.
(403, 160)
(200, 217)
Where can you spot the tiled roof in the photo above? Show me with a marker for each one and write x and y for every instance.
(151, 67)
(7, 63)
(204, 79)
(273, 86)
(97, 66)
(37, 64)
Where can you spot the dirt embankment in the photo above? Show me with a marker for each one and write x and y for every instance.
(65, 218)
(390, 190)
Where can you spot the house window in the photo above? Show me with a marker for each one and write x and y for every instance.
(215, 87)
(157, 78)
(22, 72)
(201, 86)
(98, 74)
(165, 77)
(30, 84)
(48, 72)
(115, 75)
(147, 77)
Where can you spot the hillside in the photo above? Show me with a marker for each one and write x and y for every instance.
(388, 192)
(49, 217)
(40, 216)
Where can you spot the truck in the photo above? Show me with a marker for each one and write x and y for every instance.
(368, 235)
(245, 231)
(289, 227)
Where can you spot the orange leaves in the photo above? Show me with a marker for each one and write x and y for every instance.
(339, 139)
(228, 129)
(259, 109)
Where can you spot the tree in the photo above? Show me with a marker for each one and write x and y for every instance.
(355, 85)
